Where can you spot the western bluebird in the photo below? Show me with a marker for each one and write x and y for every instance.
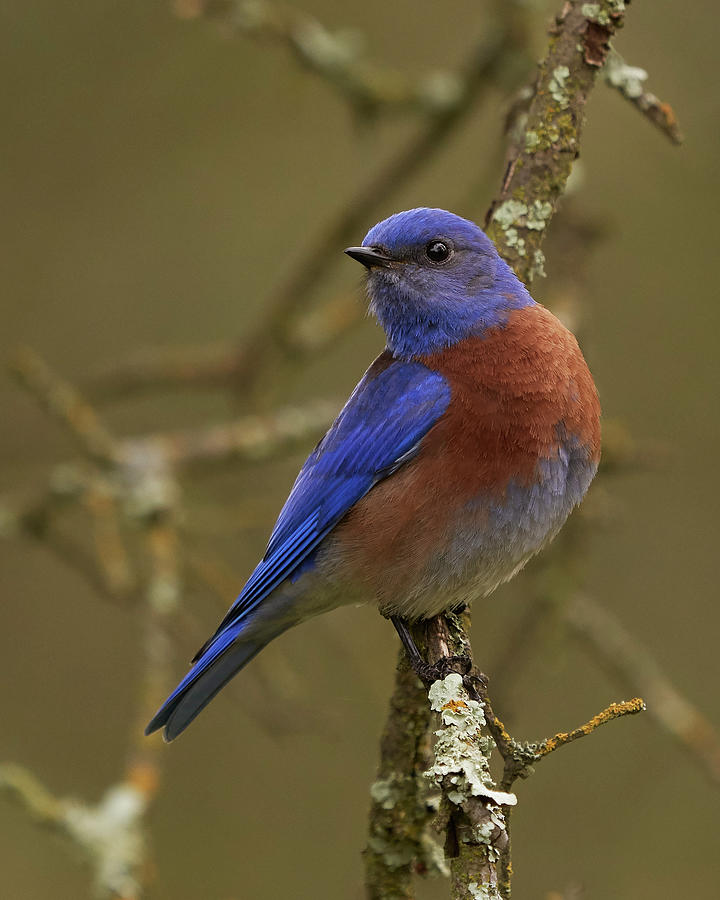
(458, 456)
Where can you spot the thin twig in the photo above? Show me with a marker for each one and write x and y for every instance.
(629, 81)
(617, 650)
(111, 832)
(66, 404)
(335, 57)
(614, 711)
(251, 438)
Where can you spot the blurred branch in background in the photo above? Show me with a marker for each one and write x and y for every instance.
(111, 832)
(290, 331)
(337, 57)
(240, 364)
(633, 666)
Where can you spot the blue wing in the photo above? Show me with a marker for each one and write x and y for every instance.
(379, 429)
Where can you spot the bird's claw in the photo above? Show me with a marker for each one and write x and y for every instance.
(428, 673)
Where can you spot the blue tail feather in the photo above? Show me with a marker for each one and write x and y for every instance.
(223, 659)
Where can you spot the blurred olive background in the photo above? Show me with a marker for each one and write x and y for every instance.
(158, 178)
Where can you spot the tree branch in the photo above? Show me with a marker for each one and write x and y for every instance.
(629, 82)
(403, 804)
(541, 158)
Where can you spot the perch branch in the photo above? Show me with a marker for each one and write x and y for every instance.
(475, 811)
(403, 804)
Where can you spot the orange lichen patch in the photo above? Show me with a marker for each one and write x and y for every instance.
(455, 705)
(502, 732)
(614, 711)
(668, 114)
(144, 777)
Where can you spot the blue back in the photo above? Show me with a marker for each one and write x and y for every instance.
(378, 429)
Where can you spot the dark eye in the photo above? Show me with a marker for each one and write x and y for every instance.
(437, 251)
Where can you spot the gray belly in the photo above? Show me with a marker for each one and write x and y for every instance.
(490, 540)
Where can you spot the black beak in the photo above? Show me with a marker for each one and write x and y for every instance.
(369, 257)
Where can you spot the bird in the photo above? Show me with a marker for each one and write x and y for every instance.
(458, 456)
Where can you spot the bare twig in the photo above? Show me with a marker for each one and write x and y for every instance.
(66, 404)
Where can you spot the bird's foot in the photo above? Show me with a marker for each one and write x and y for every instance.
(428, 673)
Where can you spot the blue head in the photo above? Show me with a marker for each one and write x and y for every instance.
(434, 279)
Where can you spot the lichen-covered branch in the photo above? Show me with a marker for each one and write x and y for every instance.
(476, 821)
(474, 810)
(403, 803)
(541, 158)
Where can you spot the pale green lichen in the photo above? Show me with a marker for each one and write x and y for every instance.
(531, 141)
(627, 79)
(558, 86)
(395, 853)
(481, 891)
(512, 240)
(590, 10)
(538, 214)
(603, 13)
(386, 791)
(509, 212)
(461, 751)
(409, 839)
(537, 269)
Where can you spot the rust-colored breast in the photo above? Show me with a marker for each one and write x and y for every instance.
(517, 393)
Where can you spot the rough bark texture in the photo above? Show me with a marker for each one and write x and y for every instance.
(403, 804)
